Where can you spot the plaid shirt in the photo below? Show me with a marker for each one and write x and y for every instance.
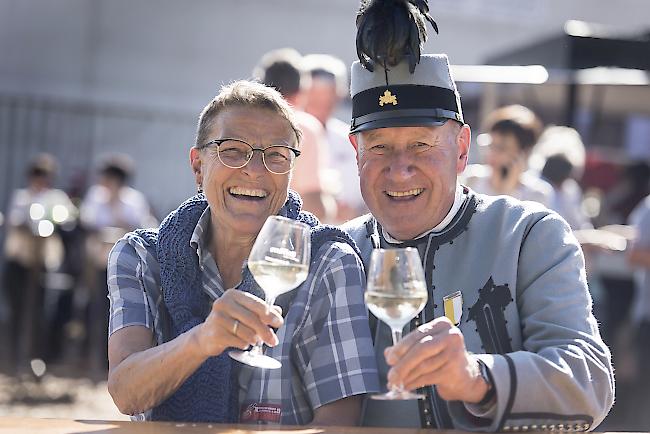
(325, 339)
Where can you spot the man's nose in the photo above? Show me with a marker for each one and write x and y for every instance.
(401, 166)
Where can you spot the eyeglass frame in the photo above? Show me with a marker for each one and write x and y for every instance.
(218, 142)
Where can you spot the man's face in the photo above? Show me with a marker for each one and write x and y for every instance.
(321, 99)
(241, 199)
(408, 174)
(504, 153)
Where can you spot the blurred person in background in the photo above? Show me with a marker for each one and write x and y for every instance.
(110, 209)
(559, 157)
(328, 86)
(632, 187)
(512, 132)
(182, 295)
(282, 70)
(639, 257)
(33, 248)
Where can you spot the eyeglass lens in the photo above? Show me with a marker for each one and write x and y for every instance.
(236, 154)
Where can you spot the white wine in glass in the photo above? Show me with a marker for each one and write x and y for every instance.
(279, 262)
(395, 294)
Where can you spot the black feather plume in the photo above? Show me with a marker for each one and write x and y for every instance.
(391, 30)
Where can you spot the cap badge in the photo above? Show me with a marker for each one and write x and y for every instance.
(387, 98)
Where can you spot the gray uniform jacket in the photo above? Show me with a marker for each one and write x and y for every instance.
(526, 311)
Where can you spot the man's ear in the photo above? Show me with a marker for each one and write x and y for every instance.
(195, 163)
(355, 145)
(463, 141)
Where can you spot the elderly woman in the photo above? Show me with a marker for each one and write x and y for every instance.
(181, 295)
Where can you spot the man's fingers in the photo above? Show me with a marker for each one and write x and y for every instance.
(277, 309)
(426, 379)
(396, 352)
(421, 355)
(430, 372)
(433, 328)
(436, 363)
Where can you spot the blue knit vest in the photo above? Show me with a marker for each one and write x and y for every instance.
(210, 394)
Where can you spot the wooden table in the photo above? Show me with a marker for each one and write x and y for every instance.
(16, 425)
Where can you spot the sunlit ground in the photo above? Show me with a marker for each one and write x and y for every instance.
(56, 397)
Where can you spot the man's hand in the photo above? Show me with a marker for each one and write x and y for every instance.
(435, 354)
(237, 319)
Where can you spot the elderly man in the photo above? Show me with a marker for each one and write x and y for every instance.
(507, 340)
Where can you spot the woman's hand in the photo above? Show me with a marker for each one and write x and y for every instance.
(238, 319)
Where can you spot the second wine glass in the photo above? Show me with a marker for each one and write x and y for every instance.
(279, 262)
(395, 294)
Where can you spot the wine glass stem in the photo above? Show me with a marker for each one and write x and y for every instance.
(257, 348)
(397, 335)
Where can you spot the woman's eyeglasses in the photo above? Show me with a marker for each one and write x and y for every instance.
(236, 153)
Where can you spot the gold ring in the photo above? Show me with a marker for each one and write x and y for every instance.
(235, 326)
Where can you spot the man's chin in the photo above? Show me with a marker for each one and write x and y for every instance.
(396, 229)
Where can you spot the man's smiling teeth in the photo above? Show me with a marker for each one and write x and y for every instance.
(247, 192)
(413, 192)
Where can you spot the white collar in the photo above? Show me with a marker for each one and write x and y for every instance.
(459, 198)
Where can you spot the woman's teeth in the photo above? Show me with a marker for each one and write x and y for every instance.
(240, 191)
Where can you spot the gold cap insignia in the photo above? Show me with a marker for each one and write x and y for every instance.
(387, 98)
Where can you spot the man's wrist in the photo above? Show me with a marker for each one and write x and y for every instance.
(487, 379)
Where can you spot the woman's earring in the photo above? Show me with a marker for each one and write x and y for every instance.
(199, 188)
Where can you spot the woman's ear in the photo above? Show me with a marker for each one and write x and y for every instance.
(195, 163)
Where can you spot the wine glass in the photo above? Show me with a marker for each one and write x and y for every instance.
(279, 262)
(396, 293)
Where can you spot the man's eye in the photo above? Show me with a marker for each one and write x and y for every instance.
(421, 147)
(377, 149)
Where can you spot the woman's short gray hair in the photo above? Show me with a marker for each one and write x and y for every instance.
(244, 93)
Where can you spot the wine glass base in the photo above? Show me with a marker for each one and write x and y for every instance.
(256, 360)
(397, 395)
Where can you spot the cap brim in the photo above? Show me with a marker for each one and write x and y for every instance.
(399, 122)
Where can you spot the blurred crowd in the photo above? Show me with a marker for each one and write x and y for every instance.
(55, 252)
(53, 282)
